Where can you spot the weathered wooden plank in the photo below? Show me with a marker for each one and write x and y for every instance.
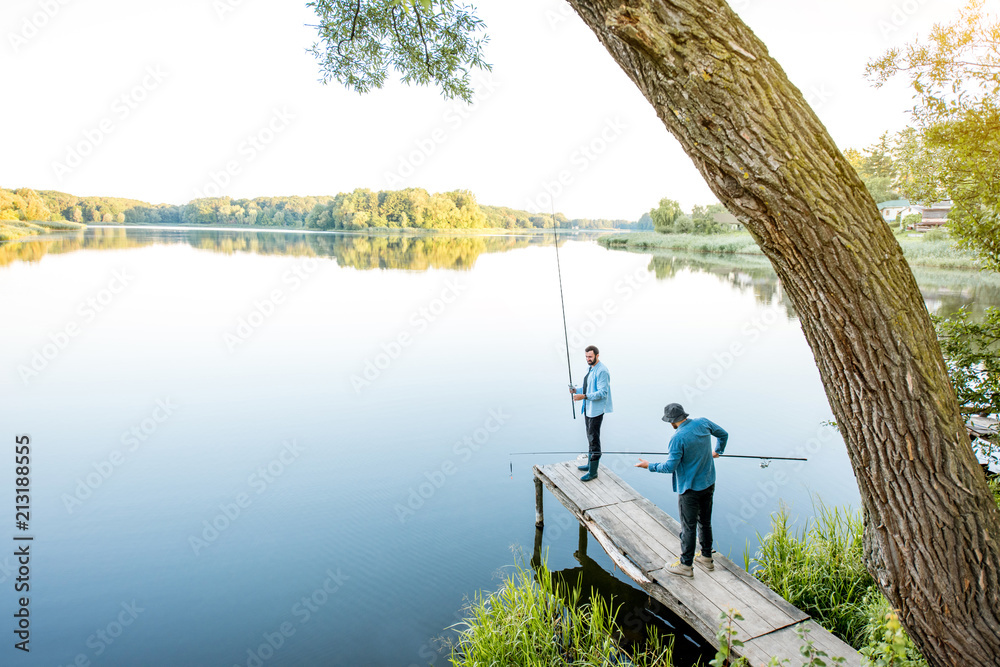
(686, 595)
(606, 486)
(659, 548)
(582, 495)
(586, 495)
(791, 613)
(616, 480)
(643, 549)
(785, 643)
(623, 563)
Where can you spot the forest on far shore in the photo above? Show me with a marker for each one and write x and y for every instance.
(412, 208)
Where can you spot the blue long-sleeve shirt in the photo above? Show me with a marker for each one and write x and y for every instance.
(598, 391)
(689, 456)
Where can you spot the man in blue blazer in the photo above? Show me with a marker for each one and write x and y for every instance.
(596, 397)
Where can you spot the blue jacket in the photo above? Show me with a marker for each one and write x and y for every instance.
(598, 391)
(689, 456)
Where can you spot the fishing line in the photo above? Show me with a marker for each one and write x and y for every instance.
(765, 461)
(562, 301)
(721, 456)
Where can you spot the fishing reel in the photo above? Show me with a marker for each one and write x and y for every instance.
(765, 462)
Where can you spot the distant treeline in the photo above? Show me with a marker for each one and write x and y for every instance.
(412, 208)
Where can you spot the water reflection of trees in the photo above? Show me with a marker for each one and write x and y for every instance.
(371, 251)
(944, 290)
(746, 273)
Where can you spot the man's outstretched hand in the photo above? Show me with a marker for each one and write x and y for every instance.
(643, 463)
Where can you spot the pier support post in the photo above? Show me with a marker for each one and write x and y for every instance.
(581, 546)
(539, 516)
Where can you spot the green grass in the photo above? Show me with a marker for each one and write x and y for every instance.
(942, 253)
(533, 621)
(11, 230)
(931, 249)
(821, 571)
(734, 243)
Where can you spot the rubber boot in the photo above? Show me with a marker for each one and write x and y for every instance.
(585, 466)
(592, 473)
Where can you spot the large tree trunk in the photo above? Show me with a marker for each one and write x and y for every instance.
(931, 524)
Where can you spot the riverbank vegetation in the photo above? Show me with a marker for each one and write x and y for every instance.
(821, 571)
(361, 209)
(11, 230)
(535, 620)
(930, 249)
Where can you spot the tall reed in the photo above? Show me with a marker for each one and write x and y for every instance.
(534, 621)
(820, 570)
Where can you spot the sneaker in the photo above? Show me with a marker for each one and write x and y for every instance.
(705, 561)
(677, 567)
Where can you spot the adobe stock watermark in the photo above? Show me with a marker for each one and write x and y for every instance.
(33, 24)
(419, 321)
(898, 16)
(302, 611)
(750, 333)
(412, 158)
(463, 449)
(264, 308)
(224, 8)
(122, 107)
(580, 160)
(59, 340)
(105, 636)
(132, 439)
(246, 152)
(767, 491)
(580, 335)
(259, 481)
(818, 95)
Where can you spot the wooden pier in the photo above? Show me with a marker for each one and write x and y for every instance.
(641, 539)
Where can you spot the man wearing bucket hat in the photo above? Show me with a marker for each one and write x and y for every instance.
(690, 460)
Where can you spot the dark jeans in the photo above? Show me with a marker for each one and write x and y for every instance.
(696, 510)
(594, 436)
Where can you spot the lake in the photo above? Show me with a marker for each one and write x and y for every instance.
(288, 448)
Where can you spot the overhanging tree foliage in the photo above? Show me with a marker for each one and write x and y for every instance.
(426, 42)
(931, 522)
(954, 150)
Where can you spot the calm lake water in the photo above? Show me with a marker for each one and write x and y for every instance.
(290, 449)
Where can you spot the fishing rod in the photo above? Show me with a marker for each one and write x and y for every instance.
(562, 301)
(727, 456)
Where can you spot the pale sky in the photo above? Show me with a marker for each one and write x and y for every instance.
(167, 100)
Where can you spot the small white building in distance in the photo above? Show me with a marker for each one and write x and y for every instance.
(932, 215)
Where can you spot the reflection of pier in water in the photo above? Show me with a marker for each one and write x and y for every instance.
(637, 610)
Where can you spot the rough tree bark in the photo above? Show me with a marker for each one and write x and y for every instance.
(931, 524)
